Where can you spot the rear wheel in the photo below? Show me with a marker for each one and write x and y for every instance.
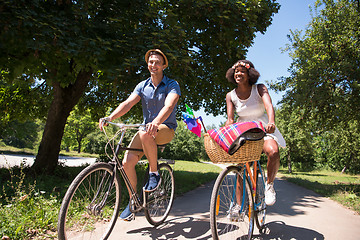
(231, 207)
(159, 202)
(91, 204)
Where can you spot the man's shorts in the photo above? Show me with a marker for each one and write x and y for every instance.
(164, 136)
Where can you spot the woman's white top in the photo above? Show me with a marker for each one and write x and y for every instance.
(253, 109)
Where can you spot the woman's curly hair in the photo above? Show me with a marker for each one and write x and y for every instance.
(253, 73)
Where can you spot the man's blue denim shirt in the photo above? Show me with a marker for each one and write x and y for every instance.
(153, 99)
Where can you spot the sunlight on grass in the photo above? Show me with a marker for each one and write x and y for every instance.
(189, 175)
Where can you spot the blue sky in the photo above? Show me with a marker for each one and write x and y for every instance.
(266, 53)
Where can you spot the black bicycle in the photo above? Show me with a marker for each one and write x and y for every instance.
(91, 204)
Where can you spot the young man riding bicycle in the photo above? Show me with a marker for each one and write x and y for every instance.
(159, 96)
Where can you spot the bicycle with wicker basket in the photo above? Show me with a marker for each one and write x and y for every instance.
(238, 195)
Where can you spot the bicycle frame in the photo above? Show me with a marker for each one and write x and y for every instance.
(92, 203)
(118, 164)
(250, 175)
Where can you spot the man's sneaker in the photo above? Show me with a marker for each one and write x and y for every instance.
(127, 215)
(153, 182)
(270, 194)
(234, 214)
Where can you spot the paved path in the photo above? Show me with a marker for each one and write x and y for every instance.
(10, 160)
(298, 214)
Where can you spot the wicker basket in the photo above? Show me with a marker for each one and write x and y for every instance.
(249, 152)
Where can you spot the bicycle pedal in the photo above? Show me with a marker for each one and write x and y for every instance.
(237, 219)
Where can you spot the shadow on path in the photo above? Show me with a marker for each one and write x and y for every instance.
(177, 228)
(280, 230)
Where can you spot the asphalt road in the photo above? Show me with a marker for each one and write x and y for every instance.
(298, 214)
(10, 160)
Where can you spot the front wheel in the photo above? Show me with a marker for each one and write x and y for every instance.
(91, 204)
(231, 207)
(260, 205)
(159, 202)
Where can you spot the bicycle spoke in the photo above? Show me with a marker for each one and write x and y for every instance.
(89, 210)
(231, 207)
(159, 202)
(260, 206)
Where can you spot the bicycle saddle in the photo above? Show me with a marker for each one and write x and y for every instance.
(253, 134)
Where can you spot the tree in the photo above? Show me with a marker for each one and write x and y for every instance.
(299, 149)
(323, 91)
(56, 54)
(338, 149)
(20, 134)
(325, 71)
(78, 126)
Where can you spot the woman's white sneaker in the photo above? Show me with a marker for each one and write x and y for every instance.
(270, 194)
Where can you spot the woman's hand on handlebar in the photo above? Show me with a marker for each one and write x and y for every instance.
(270, 128)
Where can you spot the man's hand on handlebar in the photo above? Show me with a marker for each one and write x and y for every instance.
(103, 122)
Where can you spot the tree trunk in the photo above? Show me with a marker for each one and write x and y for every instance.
(79, 147)
(64, 101)
(289, 161)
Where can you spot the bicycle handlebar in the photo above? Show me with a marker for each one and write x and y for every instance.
(123, 125)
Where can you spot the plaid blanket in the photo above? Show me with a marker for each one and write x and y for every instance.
(226, 136)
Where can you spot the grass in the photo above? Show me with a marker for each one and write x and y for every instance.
(29, 205)
(4, 149)
(343, 188)
(190, 175)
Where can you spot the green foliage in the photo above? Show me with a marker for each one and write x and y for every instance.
(26, 212)
(56, 41)
(20, 134)
(78, 126)
(52, 52)
(299, 149)
(339, 149)
(185, 146)
(320, 107)
(95, 143)
(324, 79)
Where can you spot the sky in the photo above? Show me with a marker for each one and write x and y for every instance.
(266, 53)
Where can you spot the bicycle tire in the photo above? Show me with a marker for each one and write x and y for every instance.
(223, 225)
(260, 205)
(159, 202)
(81, 216)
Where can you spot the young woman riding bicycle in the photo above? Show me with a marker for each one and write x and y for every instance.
(250, 101)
